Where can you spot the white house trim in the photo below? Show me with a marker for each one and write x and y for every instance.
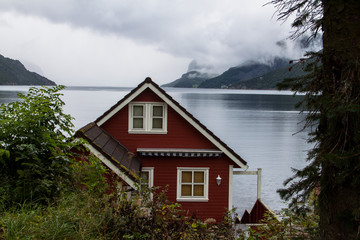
(123, 104)
(231, 169)
(179, 111)
(115, 169)
(147, 118)
(197, 126)
(151, 175)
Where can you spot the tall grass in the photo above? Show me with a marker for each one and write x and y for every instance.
(87, 212)
(81, 216)
(71, 217)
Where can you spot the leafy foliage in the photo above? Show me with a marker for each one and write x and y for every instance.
(34, 159)
(289, 225)
(36, 168)
(139, 217)
(85, 214)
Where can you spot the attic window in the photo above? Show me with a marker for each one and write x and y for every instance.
(147, 117)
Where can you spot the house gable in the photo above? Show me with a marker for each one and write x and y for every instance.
(179, 152)
(148, 91)
(180, 135)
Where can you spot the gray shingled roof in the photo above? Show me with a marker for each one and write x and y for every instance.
(111, 149)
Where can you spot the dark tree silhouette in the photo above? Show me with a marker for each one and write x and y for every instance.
(332, 96)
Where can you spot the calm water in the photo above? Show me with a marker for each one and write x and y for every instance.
(258, 125)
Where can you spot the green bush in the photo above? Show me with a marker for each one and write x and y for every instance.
(81, 215)
(34, 160)
(46, 194)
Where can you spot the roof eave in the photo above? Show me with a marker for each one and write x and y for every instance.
(148, 83)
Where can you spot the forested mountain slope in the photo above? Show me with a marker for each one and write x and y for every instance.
(13, 72)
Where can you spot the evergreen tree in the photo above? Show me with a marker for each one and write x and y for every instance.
(332, 97)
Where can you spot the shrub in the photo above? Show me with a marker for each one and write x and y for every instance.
(288, 225)
(90, 214)
(34, 162)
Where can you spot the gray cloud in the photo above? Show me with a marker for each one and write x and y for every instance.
(214, 33)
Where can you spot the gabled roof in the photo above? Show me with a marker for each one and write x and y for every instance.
(113, 154)
(149, 84)
(257, 213)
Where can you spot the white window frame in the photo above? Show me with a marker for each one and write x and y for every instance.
(204, 198)
(150, 170)
(148, 117)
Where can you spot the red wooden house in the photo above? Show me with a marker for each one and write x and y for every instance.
(149, 133)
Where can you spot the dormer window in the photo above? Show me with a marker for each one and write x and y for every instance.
(148, 118)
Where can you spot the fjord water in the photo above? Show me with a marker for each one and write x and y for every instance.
(259, 125)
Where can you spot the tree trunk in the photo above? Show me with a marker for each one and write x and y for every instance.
(339, 200)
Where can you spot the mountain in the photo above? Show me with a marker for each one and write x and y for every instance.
(190, 79)
(246, 71)
(13, 72)
(271, 78)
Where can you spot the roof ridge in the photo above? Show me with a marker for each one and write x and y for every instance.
(149, 81)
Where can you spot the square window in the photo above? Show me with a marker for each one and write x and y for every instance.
(147, 118)
(192, 184)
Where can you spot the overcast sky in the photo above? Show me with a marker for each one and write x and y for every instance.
(121, 42)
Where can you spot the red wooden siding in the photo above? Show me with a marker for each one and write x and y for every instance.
(257, 213)
(180, 134)
(165, 173)
(147, 96)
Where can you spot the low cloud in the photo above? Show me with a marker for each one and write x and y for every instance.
(215, 33)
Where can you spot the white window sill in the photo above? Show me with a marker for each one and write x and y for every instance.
(146, 132)
(192, 199)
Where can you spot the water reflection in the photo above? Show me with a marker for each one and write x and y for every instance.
(260, 128)
(249, 101)
(8, 96)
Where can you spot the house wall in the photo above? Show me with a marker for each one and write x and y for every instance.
(165, 172)
(180, 134)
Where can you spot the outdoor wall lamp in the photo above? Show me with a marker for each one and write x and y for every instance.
(218, 180)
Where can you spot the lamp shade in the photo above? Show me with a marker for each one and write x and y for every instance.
(218, 180)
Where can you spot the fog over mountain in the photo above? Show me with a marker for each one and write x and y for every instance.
(205, 76)
(286, 49)
(119, 43)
